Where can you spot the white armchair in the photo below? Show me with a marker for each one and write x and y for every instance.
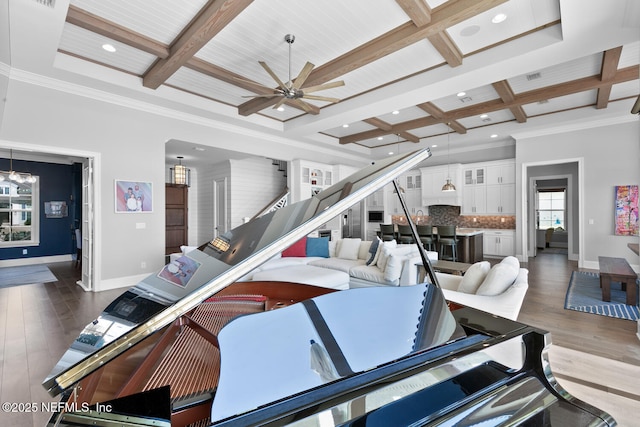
(506, 304)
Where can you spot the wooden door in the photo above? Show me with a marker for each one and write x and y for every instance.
(176, 214)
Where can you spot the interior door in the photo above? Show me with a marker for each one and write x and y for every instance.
(176, 217)
(86, 280)
(220, 209)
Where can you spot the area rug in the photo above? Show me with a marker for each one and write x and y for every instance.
(584, 294)
(25, 275)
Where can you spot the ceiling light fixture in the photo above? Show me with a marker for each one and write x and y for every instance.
(484, 116)
(448, 186)
(380, 138)
(461, 94)
(494, 135)
(499, 18)
(180, 174)
(395, 112)
(109, 47)
(19, 177)
(346, 125)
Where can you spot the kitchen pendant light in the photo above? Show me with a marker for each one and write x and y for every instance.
(448, 186)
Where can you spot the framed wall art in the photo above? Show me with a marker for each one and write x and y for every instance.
(626, 215)
(133, 197)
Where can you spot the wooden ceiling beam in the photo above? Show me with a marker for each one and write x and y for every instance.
(506, 94)
(210, 21)
(417, 10)
(90, 22)
(382, 125)
(562, 89)
(446, 47)
(436, 112)
(442, 17)
(609, 68)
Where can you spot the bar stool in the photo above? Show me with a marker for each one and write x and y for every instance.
(447, 238)
(404, 234)
(425, 233)
(387, 232)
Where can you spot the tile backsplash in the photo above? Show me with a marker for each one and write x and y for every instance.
(450, 215)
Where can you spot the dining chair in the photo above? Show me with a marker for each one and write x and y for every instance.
(404, 234)
(425, 234)
(387, 232)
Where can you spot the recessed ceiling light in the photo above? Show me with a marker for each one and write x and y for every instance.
(109, 47)
(346, 125)
(461, 94)
(281, 108)
(499, 18)
(484, 116)
(396, 112)
(380, 138)
(494, 135)
(198, 148)
(390, 153)
(434, 145)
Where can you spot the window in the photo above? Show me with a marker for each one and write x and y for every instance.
(19, 213)
(551, 209)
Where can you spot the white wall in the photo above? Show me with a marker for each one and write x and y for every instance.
(611, 156)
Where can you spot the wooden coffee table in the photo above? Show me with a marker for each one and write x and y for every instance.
(443, 266)
(617, 270)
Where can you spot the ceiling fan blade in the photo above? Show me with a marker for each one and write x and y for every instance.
(306, 70)
(279, 103)
(272, 74)
(320, 98)
(323, 86)
(306, 107)
(263, 96)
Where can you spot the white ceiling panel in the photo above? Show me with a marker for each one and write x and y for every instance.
(87, 44)
(404, 114)
(492, 118)
(356, 127)
(561, 103)
(630, 55)
(624, 90)
(159, 20)
(471, 97)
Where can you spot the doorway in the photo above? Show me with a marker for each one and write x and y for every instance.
(220, 208)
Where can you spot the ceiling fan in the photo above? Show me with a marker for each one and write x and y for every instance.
(293, 90)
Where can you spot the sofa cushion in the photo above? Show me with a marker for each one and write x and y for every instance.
(318, 247)
(337, 263)
(307, 274)
(373, 251)
(369, 273)
(298, 249)
(348, 249)
(363, 251)
(385, 253)
(499, 279)
(474, 277)
(395, 263)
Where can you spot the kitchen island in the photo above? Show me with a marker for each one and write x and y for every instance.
(470, 244)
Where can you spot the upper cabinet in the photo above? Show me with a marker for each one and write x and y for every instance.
(475, 175)
(501, 173)
(309, 178)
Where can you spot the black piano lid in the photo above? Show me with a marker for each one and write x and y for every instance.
(161, 298)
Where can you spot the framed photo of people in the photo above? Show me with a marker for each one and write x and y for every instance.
(133, 197)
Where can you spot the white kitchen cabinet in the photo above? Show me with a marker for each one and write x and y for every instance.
(433, 178)
(474, 175)
(474, 200)
(309, 178)
(501, 199)
(501, 173)
(499, 242)
(376, 200)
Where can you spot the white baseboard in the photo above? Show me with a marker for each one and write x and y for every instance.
(35, 260)
(119, 282)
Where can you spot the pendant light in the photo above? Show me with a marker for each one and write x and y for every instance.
(448, 186)
(180, 174)
(19, 177)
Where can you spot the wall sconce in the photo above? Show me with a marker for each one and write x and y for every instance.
(180, 174)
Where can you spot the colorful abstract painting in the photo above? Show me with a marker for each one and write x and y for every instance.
(626, 210)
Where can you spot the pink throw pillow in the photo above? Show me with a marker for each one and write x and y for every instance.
(298, 249)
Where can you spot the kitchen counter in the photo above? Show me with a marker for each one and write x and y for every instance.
(470, 244)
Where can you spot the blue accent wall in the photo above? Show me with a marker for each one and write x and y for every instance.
(57, 183)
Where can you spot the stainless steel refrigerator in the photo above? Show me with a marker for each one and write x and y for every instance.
(352, 221)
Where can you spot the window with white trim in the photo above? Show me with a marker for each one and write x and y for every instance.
(19, 214)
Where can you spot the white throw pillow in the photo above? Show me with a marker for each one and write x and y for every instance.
(387, 249)
(349, 249)
(498, 280)
(474, 277)
(512, 261)
(376, 257)
(333, 248)
(363, 252)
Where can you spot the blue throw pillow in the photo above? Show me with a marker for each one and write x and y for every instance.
(372, 250)
(318, 246)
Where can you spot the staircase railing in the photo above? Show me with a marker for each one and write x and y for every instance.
(278, 202)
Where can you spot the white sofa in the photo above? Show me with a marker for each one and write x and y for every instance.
(498, 297)
(346, 266)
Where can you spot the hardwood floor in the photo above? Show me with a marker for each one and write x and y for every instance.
(38, 323)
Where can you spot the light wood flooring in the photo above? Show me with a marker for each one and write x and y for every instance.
(38, 323)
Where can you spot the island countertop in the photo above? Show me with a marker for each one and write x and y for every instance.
(463, 231)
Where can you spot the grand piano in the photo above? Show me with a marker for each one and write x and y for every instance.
(195, 345)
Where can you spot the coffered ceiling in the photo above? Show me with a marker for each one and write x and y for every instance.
(413, 70)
